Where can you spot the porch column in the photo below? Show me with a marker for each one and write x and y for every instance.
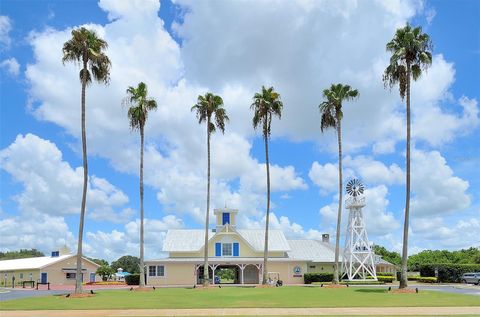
(242, 267)
(214, 267)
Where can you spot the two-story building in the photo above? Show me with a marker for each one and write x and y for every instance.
(240, 250)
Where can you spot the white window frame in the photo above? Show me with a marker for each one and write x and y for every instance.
(68, 276)
(231, 249)
(157, 271)
(150, 270)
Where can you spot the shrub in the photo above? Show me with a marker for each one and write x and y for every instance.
(427, 280)
(448, 273)
(317, 277)
(385, 274)
(385, 279)
(133, 279)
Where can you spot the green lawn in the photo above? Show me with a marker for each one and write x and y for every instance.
(244, 297)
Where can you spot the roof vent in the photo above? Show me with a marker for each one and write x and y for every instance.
(55, 254)
(326, 237)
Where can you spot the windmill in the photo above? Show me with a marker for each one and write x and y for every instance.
(358, 256)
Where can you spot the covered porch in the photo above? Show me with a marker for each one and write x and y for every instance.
(244, 272)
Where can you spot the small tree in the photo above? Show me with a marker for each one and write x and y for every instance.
(105, 272)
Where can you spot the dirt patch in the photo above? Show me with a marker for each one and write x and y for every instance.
(335, 286)
(83, 295)
(403, 291)
(143, 289)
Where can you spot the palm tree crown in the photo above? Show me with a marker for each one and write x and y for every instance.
(331, 109)
(140, 105)
(411, 52)
(207, 106)
(87, 49)
(266, 104)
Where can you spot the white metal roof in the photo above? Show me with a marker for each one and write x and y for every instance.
(185, 240)
(312, 250)
(191, 240)
(256, 238)
(31, 263)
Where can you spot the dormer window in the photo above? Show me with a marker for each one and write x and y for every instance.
(225, 218)
(227, 249)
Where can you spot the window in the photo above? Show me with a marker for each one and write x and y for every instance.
(152, 271)
(225, 218)
(21, 275)
(160, 270)
(312, 266)
(226, 249)
(71, 276)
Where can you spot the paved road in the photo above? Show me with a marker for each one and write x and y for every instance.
(362, 311)
(11, 293)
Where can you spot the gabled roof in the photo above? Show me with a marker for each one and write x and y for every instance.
(185, 240)
(31, 263)
(256, 238)
(181, 240)
(312, 250)
(35, 263)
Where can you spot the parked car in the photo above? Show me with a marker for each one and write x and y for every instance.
(471, 278)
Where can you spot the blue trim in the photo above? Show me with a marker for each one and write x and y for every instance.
(225, 218)
(218, 249)
(236, 249)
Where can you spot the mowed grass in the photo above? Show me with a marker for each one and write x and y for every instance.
(243, 297)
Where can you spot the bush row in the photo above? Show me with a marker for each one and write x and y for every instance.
(317, 277)
(424, 279)
(385, 279)
(133, 279)
(448, 273)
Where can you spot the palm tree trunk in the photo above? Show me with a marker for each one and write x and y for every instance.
(267, 220)
(79, 275)
(336, 270)
(403, 275)
(142, 241)
(206, 280)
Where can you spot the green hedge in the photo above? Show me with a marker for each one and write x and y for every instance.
(385, 279)
(317, 277)
(133, 279)
(448, 273)
(385, 274)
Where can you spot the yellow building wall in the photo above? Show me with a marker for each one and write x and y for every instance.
(319, 267)
(286, 270)
(55, 275)
(6, 277)
(175, 274)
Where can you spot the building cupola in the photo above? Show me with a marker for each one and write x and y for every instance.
(225, 216)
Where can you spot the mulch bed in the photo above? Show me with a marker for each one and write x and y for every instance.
(335, 286)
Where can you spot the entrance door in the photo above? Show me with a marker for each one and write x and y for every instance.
(43, 278)
(92, 277)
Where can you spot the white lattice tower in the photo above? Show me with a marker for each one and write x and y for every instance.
(358, 256)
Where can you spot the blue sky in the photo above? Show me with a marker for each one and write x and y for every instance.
(232, 48)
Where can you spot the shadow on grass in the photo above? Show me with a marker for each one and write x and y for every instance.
(367, 290)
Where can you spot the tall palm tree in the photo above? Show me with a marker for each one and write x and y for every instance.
(331, 117)
(411, 52)
(140, 104)
(265, 105)
(206, 107)
(88, 50)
